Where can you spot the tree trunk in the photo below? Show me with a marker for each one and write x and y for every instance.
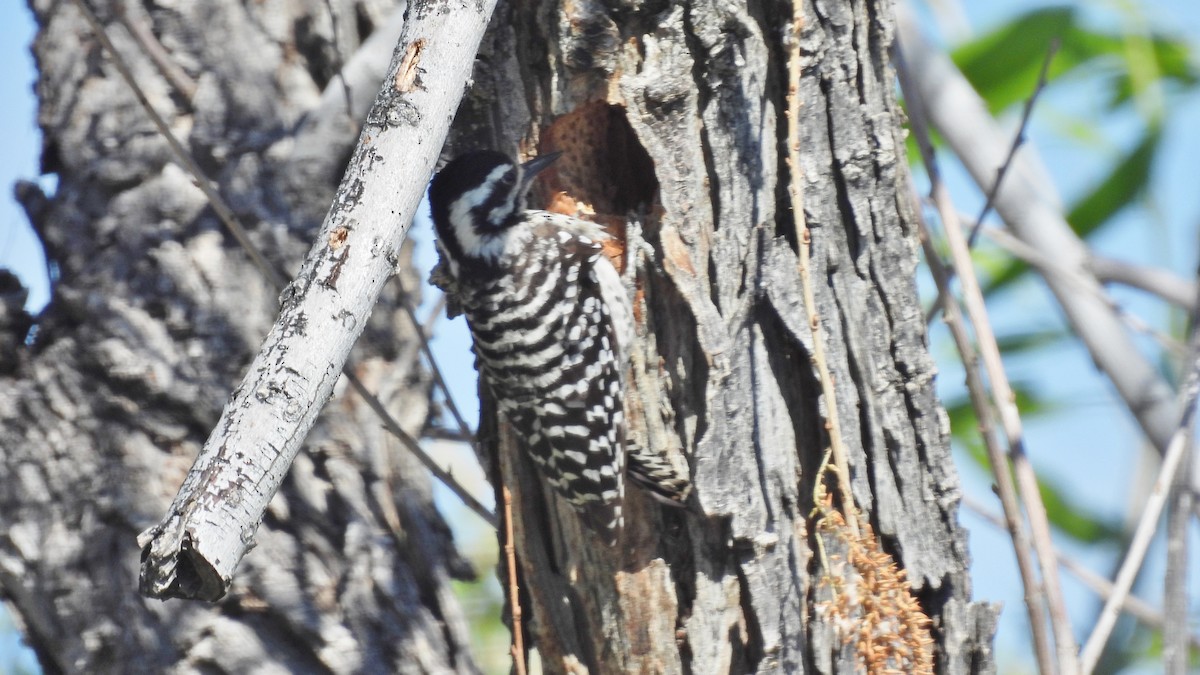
(677, 110)
(156, 311)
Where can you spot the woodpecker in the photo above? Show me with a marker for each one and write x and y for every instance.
(552, 325)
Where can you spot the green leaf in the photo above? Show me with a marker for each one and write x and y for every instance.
(1126, 181)
(1003, 65)
(1170, 60)
(1027, 341)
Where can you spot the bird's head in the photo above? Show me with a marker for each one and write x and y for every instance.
(477, 196)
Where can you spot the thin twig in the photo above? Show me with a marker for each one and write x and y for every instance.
(1018, 140)
(435, 314)
(1002, 394)
(273, 276)
(171, 71)
(1013, 521)
(1154, 280)
(444, 434)
(1009, 500)
(438, 379)
(1102, 587)
(514, 601)
(441, 474)
(837, 446)
(1147, 524)
(1175, 582)
(1005, 400)
(337, 59)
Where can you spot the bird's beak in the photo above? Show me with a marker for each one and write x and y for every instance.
(530, 169)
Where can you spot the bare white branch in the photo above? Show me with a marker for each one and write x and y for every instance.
(1176, 632)
(1045, 262)
(1166, 285)
(210, 526)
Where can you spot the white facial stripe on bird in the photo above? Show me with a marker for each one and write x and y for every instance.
(472, 242)
(497, 215)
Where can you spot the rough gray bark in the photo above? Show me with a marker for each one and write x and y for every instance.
(155, 314)
(678, 109)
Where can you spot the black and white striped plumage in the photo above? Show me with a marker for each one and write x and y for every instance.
(552, 325)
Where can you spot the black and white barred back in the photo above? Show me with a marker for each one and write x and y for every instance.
(552, 325)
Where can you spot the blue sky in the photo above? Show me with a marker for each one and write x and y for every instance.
(1090, 443)
(19, 250)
